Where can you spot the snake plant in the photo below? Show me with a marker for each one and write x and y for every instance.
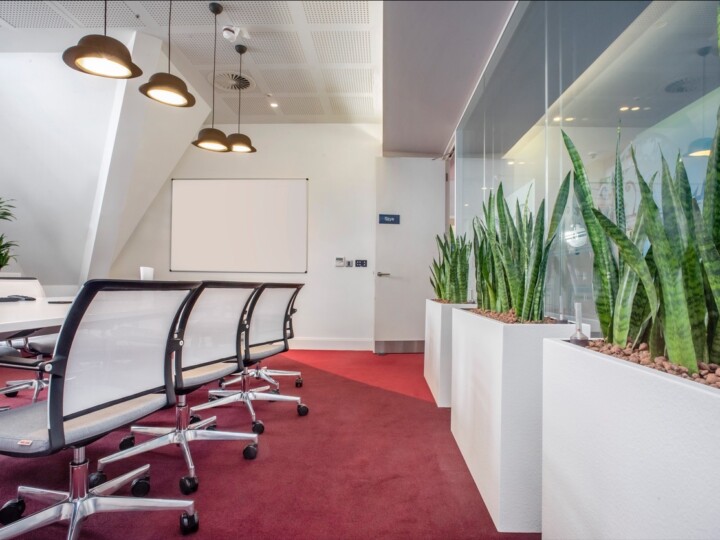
(449, 275)
(511, 255)
(670, 295)
(6, 246)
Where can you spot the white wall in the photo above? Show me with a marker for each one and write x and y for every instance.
(335, 309)
(52, 139)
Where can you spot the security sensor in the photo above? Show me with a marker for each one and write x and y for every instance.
(230, 33)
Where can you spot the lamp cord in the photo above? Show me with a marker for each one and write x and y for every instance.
(105, 20)
(213, 79)
(169, 21)
(239, 91)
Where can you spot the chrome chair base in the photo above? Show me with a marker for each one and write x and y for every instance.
(37, 385)
(80, 502)
(182, 434)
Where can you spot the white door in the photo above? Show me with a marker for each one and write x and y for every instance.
(414, 190)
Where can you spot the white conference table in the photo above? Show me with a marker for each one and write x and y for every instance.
(44, 315)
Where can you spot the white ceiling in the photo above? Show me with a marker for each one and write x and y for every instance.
(320, 61)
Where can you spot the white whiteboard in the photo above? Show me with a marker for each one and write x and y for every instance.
(239, 225)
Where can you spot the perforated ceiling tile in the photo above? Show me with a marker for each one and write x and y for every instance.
(32, 15)
(352, 106)
(276, 48)
(250, 105)
(348, 81)
(300, 105)
(91, 14)
(290, 81)
(183, 13)
(197, 47)
(336, 12)
(258, 13)
(347, 47)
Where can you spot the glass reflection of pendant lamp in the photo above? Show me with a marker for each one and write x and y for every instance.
(701, 147)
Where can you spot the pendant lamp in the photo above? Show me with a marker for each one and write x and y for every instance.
(210, 138)
(701, 147)
(165, 87)
(102, 56)
(238, 142)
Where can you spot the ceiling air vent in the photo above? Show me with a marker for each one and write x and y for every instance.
(686, 84)
(229, 82)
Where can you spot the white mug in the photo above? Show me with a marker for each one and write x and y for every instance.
(146, 272)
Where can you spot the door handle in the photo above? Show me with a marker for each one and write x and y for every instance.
(383, 274)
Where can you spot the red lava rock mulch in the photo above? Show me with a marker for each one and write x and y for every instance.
(709, 374)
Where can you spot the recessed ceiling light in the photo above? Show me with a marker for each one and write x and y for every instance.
(557, 119)
(570, 119)
(466, 204)
(623, 109)
(273, 104)
(635, 108)
(511, 163)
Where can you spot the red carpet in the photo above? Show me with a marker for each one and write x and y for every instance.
(369, 461)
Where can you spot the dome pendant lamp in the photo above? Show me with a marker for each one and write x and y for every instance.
(102, 56)
(238, 142)
(210, 138)
(165, 87)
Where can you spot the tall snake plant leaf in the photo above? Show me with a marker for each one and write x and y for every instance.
(619, 192)
(537, 251)
(509, 263)
(711, 202)
(709, 253)
(678, 337)
(676, 227)
(635, 260)
(605, 275)
(558, 210)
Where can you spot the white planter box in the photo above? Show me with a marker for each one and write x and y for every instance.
(628, 452)
(438, 349)
(496, 412)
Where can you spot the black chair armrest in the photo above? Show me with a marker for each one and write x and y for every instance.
(16, 362)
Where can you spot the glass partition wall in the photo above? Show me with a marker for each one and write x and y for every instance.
(649, 71)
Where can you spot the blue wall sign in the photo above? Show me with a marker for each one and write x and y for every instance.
(390, 219)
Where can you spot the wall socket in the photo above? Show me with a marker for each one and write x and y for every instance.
(340, 262)
(360, 263)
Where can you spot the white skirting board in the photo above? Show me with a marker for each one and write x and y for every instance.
(628, 452)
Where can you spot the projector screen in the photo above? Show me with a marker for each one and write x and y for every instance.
(239, 225)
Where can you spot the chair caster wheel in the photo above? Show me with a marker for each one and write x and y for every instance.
(275, 391)
(140, 487)
(298, 382)
(189, 523)
(12, 511)
(212, 398)
(258, 427)
(127, 442)
(194, 418)
(250, 451)
(211, 427)
(221, 382)
(188, 485)
(11, 394)
(97, 478)
(302, 409)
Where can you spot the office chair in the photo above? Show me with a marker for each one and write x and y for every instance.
(210, 327)
(41, 347)
(112, 365)
(268, 328)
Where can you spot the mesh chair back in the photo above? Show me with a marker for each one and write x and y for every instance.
(116, 343)
(25, 286)
(214, 324)
(270, 312)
